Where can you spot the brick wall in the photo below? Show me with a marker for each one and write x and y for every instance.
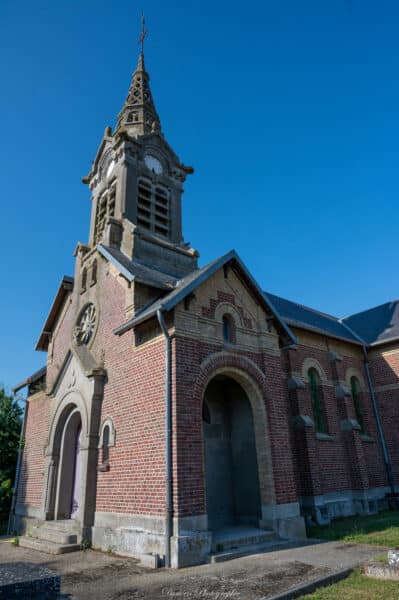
(134, 399)
(30, 488)
(384, 368)
(190, 382)
(341, 461)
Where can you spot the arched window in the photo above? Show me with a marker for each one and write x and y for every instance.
(107, 439)
(105, 446)
(355, 390)
(227, 327)
(93, 278)
(317, 400)
(83, 281)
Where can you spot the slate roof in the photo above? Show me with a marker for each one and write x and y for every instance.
(133, 270)
(32, 379)
(188, 284)
(308, 318)
(376, 325)
(64, 289)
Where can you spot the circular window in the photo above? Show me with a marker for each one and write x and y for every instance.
(86, 324)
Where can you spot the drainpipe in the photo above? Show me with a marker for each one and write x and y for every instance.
(168, 439)
(18, 467)
(388, 466)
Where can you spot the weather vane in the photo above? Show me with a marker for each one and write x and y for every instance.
(143, 34)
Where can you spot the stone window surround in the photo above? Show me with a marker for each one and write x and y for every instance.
(112, 433)
(104, 461)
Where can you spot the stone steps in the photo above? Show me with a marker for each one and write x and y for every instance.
(240, 551)
(50, 534)
(233, 538)
(46, 546)
(53, 537)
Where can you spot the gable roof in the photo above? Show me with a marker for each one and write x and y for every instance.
(31, 379)
(190, 282)
(64, 289)
(308, 318)
(376, 325)
(133, 270)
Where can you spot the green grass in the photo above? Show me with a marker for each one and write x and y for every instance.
(358, 587)
(3, 527)
(377, 530)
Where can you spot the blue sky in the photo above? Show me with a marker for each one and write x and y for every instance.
(289, 112)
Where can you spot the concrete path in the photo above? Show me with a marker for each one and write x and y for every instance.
(90, 574)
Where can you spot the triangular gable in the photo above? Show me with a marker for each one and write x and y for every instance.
(188, 284)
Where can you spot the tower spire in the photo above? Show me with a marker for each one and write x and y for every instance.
(143, 34)
(138, 115)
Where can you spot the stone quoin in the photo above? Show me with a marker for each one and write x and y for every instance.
(183, 406)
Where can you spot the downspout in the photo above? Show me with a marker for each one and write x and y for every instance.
(388, 466)
(168, 439)
(18, 467)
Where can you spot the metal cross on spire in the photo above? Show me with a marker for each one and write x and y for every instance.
(143, 34)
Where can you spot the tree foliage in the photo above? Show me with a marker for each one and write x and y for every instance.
(10, 430)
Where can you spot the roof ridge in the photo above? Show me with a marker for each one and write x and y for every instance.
(361, 312)
(315, 310)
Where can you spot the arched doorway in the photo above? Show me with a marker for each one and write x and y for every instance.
(230, 456)
(69, 478)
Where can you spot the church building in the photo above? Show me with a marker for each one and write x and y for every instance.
(183, 411)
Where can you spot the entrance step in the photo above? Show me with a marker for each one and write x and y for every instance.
(65, 525)
(46, 546)
(246, 551)
(53, 537)
(234, 538)
(58, 536)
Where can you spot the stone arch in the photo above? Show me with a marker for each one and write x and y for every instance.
(353, 372)
(248, 375)
(226, 308)
(67, 477)
(71, 403)
(312, 363)
(72, 399)
(108, 422)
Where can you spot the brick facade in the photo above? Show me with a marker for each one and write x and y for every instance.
(102, 415)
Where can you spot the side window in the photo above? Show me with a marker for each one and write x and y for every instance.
(228, 329)
(105, 446)
(107, 439)
(83, 280)
(317, 401)
(355, 390)
(93, 278)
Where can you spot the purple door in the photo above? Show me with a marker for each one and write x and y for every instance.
(76, 477)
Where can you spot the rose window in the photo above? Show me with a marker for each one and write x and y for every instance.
(85, 327)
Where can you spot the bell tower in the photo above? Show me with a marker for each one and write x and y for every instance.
(136, 182)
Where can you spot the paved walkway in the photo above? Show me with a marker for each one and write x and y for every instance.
(94, 575)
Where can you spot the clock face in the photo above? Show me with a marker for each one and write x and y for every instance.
(153, 164)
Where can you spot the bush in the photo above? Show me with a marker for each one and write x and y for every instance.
(10, 430)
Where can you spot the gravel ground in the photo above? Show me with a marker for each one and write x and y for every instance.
(94, 575)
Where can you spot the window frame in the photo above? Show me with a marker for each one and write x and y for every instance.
(357, 404)
(316, 396)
